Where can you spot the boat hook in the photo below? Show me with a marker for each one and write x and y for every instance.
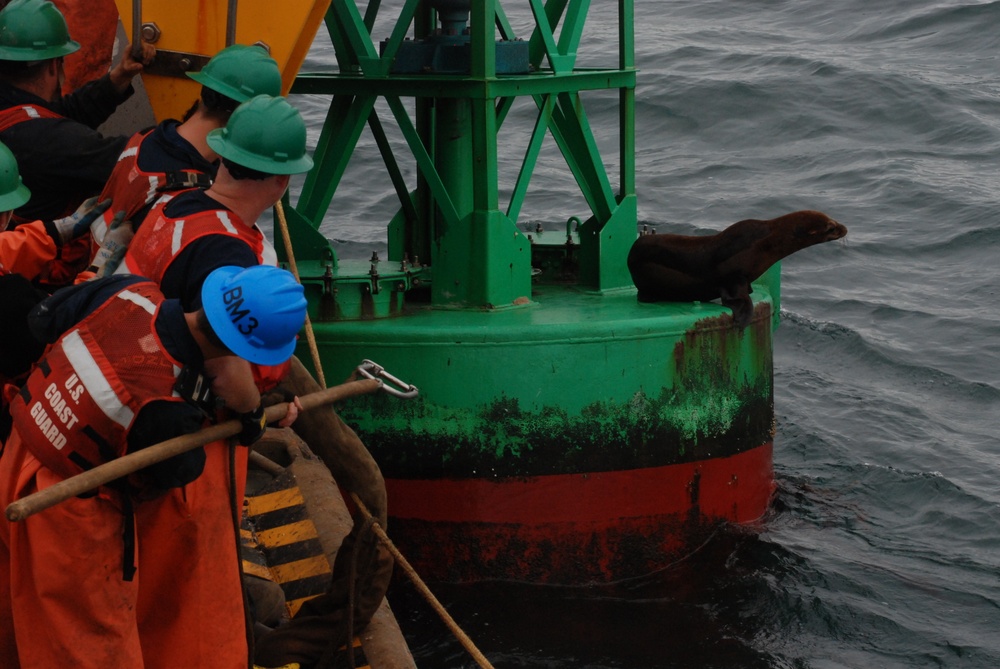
(133, 462)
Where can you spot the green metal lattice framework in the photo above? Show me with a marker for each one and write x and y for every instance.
(453, 217)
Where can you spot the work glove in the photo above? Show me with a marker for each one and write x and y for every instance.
(65, 230)
(254, 424)
(113, 248)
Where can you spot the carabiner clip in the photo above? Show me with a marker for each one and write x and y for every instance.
(375, 371)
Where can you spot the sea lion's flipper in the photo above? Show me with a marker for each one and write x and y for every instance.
(736, 296)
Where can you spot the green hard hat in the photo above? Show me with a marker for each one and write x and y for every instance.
(34, 30)
(13, 193)
(266, 134)
(240, 72)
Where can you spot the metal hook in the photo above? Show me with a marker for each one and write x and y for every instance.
(375, 371)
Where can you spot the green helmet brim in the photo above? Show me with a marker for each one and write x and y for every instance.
(24, 54)
(240, 72)
(14, 199)
(275, 164)
(221, 87)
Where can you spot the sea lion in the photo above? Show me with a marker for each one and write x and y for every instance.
(684, 268)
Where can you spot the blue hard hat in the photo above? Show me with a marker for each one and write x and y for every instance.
(257, 311)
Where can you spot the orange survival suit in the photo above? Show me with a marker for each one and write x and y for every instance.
(27, 250)
(66, 595)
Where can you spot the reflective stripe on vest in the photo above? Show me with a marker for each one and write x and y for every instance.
(76, 408)
(13, 115)
(161, 239)
(94, 381)
(138, 300)
(128, 188)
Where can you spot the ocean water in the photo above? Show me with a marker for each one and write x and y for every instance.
(882, 546)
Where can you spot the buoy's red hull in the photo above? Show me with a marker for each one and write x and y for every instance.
(574, 528)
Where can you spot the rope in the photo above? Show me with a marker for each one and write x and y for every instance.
(422, 588)
(310, 335)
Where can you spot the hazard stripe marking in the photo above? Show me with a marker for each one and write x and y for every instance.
(258, 570)
(293, 571)
(282, 499)
(280, 543)
(287, 534)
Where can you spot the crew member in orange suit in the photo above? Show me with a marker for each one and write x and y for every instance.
(175, 155)
(144, 572)
(28, 248)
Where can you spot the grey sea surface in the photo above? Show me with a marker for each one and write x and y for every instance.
(882, 547)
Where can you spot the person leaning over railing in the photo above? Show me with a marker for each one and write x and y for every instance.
(146, 571)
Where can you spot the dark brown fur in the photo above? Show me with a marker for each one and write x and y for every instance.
(684, 268)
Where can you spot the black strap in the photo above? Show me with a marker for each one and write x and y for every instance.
(181, 180)
(104, 447)
(194, 388)
(329, 659)
(128, 538)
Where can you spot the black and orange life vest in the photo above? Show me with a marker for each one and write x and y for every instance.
(162, 238)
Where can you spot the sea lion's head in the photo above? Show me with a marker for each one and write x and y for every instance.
(813, 227)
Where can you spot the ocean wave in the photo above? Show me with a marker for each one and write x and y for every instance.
(968, 24)
(880, 357)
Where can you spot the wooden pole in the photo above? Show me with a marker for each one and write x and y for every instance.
(422, 588)
(290, 252)
(133, 462)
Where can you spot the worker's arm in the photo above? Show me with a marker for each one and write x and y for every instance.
(158, 421)
(27, 249)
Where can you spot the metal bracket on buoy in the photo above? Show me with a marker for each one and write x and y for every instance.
(176, 63)
(375, 371)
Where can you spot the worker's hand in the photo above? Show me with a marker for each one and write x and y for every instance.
(134, 58)
(114, 246)
(254, 425)
(294, 407)
(65, 230)
(278, 395)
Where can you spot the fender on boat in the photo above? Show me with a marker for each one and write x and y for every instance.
(294, 522)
